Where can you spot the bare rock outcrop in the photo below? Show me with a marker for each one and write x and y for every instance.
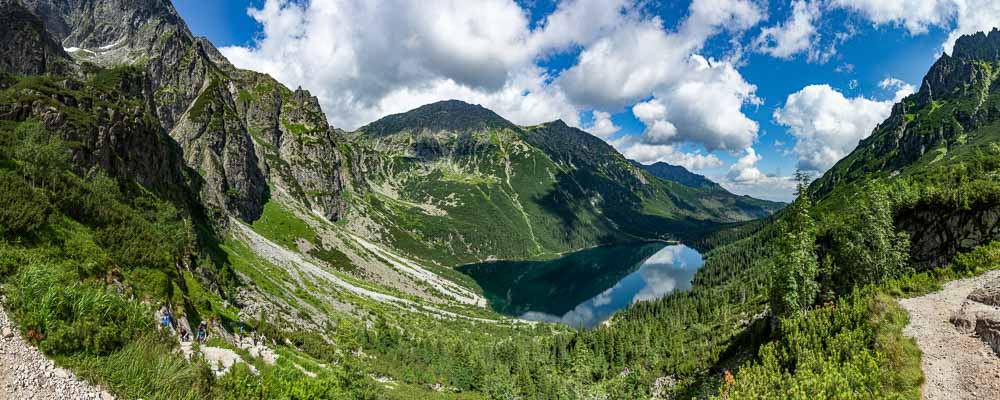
(980, 314)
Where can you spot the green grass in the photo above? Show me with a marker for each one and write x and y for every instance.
(147, 368)
(282, 226)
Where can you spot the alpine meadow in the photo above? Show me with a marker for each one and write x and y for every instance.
(499, 199)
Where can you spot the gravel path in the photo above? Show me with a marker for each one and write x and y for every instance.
(956, 365)
(27, 374)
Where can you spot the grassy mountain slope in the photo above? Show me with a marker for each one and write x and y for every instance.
(97, 241)
(453, 183)
(941, 145)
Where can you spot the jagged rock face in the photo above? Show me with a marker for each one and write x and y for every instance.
(239, 130)
(217, 145)
(301, 152)
(978, 46)
(25, 46)
(311, 150)
(935, 237)
(111, 27)
(111, 126)
(107, 114)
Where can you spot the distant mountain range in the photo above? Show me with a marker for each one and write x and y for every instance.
(498, 190)
(678, 174)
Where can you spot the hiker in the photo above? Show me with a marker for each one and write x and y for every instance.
(254, 337)
(166, 320)
(240, 337)
(202, 332)
(183, 334)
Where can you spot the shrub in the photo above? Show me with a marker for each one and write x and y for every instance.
(24, 208)
(66, 318)
(853, 349)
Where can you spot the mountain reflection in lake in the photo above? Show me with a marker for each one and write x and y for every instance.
(583, 289)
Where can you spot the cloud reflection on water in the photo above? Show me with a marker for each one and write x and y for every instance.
(672, 268)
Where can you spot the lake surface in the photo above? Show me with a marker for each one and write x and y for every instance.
(584, 288)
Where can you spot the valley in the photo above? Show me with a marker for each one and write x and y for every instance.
(175, 227)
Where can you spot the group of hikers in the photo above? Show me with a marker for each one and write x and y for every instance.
(202, 332)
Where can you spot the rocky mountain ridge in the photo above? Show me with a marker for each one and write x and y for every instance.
(957, 97)
(547, 189)
(241, 131)
(949, 128)
(677, 174)
(446, 183)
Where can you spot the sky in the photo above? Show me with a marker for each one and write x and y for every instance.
(742, 91)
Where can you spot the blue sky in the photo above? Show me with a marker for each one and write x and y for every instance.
(830, 68)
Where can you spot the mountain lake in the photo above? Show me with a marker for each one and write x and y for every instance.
(584, 288)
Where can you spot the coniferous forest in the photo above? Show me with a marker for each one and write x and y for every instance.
(175, 227)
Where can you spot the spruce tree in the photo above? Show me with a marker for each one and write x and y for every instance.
(794, 286)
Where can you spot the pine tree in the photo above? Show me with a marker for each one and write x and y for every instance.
(794, 287)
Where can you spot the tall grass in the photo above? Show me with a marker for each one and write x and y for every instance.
(146, 368)
(64, 316)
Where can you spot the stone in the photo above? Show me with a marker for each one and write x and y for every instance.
(988, 329)
(988, 294)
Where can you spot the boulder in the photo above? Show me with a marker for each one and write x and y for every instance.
(988, 294)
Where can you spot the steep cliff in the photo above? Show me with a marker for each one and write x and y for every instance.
(243, 132)
(940, 144)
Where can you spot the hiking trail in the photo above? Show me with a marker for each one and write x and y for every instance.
(957, 364)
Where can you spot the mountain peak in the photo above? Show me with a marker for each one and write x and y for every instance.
(559, 123)
(447, 115)
(978, 46)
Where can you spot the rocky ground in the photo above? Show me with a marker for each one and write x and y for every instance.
(27, 374)
(952, 331)
(221, 359)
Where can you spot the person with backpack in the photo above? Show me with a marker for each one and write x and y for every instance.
(166, 319)
(202, 332)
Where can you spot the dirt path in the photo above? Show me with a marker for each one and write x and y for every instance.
(956, 365)
(27, 374)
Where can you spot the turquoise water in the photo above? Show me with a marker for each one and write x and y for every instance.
(584, 288)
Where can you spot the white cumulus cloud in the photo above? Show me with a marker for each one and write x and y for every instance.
(704, 107)
(961, 17)
(915, 15)
(602, 126)
(791, 37)
(645, 153)
(828, 125)
(366, 59)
